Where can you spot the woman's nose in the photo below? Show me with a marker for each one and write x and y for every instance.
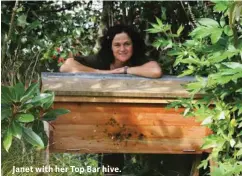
(122, 48)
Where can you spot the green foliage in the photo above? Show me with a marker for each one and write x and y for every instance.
(35, 41)
(79, 33)
(22, 109)
(16, 157)
(168, 39)
(215, 51)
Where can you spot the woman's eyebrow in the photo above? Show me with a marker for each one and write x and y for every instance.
(122, 42)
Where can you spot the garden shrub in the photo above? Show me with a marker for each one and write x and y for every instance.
(214, 56)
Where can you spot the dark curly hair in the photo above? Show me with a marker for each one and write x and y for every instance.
(106, 53)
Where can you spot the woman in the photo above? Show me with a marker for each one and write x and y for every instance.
(122, 52)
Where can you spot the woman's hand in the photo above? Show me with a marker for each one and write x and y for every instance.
(150, 69)
(118, 70)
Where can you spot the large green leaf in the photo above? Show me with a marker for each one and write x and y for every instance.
(40, 99)
(17, 129)
(208, 22)
(194, 87)
(52, 114)
(216, 34)
(191, 61)
(213, 141)
(216, 171)
(25, 107)
(32, 138)
(6, 111)
(180, 29)
(228, 31)
(25, 118)
(216, 59)
(157, 44)
(207, 121)
(159, 22)
(186, 72)
(7, 95)
(18, 91)
(220, 6)
(12, 94)
(38, 128)
(32, 90)
(239, 90)
(154, 30)
(173, 53)
(200, 32)
(49, 103)
(233, 65)
(7, 139)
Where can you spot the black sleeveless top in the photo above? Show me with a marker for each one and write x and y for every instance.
(94, 62)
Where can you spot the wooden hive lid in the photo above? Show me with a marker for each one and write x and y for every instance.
(118, 85)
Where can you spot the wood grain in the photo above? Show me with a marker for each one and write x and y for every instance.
(103, 85)
(134, 128)
(97, 99)
(127, 114)
(99, 132)
(169, 146)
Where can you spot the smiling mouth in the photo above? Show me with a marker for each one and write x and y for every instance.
(123, 54)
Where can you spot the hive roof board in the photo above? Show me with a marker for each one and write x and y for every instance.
(114, 85)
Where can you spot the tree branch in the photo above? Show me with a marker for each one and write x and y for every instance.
(10, 31)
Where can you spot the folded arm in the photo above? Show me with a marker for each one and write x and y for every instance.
(72, 66)
(150, 69)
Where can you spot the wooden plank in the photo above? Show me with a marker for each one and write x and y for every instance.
(84, 84)
(97, 99)
(131, 132)
(106, 124)
(174, 146)
(126, 114)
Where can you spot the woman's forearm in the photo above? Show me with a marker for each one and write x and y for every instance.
(72, 66)
(150, 70)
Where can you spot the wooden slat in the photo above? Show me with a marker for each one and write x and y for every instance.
(105, 85)
(174, 146)
(132, 132)
(148, 128)
(127, 114)
(97, 99)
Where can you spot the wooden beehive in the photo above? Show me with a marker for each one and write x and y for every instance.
(121, 114)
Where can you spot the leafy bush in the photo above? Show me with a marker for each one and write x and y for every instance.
(165, 42)
(215, 51)
(23, 113)
(30, 36)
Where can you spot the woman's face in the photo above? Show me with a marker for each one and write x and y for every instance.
(122, 47)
